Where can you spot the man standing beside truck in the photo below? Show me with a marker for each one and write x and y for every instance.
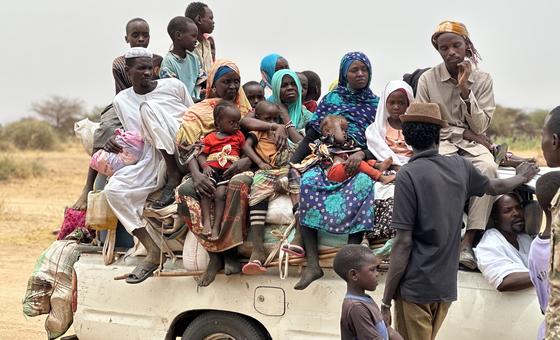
(430, 193)
(550, 145)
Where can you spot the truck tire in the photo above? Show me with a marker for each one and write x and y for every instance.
(222, 326)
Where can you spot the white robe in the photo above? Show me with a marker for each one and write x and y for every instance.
(497, 258)
(157, 116)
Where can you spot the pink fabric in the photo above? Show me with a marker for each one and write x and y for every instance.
(108, 163)
(73, 219)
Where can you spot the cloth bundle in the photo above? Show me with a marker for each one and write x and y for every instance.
(49, 289)
(108, 163)
(73, 219)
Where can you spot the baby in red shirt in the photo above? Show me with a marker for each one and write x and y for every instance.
(221, 149)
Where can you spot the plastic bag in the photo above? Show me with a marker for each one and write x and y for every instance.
(49, 289)
(73, 219)
(84, 130)
(195, 257)
(107, 163)
(99, 215)
(280, 211)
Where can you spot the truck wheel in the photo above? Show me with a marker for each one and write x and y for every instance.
(222, 326)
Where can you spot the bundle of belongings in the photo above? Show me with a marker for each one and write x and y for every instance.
(107, 163)
(50, 287)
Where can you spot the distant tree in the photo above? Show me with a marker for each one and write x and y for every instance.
(60, 112)
(503, 121)
(537, 118)
(512, 122)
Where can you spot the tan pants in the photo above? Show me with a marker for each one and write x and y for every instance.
(419, 321)
(481, 207)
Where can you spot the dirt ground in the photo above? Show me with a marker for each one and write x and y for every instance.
(29, 211)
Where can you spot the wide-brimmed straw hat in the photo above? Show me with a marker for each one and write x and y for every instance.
(424, 113)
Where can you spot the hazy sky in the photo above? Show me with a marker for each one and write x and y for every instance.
(66, 47)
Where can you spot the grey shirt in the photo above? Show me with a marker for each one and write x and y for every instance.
(430, 194)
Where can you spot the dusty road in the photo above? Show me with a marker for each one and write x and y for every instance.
(29, 210)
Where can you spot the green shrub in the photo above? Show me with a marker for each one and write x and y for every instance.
(520, 143)
(13, 168)
(29, 134)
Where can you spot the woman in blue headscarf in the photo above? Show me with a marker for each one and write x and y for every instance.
(346, 207)
(269, 65)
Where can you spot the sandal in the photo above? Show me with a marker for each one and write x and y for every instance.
(293, 250)
(141, 272)
(254, 267)
(500, 153)
(167, 197)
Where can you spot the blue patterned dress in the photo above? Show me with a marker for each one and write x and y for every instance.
(347, 207)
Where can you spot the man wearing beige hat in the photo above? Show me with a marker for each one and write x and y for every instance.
(466, 99)
(430, 193)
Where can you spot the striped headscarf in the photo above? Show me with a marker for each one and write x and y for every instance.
(298, 113)
(357, 106)
(461, 30)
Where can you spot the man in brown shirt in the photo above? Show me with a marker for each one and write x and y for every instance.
(466, 100)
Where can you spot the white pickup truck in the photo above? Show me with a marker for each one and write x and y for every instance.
(266, 307)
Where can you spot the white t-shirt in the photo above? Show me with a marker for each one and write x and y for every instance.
(497, 258)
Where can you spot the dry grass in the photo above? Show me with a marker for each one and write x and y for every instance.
(30, 209)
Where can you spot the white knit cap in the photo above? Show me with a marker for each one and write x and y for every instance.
(138, 52)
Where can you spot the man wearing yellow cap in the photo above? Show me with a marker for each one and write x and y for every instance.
(466, 100)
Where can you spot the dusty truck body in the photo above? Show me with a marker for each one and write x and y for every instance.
(165, 307)
(266, 307)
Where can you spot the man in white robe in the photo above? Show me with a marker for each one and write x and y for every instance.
(503, 251)
(154, 108)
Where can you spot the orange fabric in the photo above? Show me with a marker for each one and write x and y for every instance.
(337, 172)
(395, 140)
(199, 119)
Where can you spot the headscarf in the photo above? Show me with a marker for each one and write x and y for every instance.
(376, 132)
(461, 30)
(199, 119)
(222, 71)
(268, 67)
(357, 106)
(299, 115)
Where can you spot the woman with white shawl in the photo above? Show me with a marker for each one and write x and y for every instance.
(384, 137)
(385, 140)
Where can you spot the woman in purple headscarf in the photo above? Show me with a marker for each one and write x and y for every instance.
(346, 207)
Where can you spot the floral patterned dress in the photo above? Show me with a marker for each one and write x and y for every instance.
(338, 208)
(347, 207)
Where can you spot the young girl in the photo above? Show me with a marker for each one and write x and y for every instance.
(334, 150)
(221, 149)
(269, 181)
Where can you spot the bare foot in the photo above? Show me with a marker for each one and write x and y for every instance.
(232, 265)
(206, 230)
(308, 275)
(216, 263)
(258, 255)
(215, 233)
(386, 179)
(385, 165)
